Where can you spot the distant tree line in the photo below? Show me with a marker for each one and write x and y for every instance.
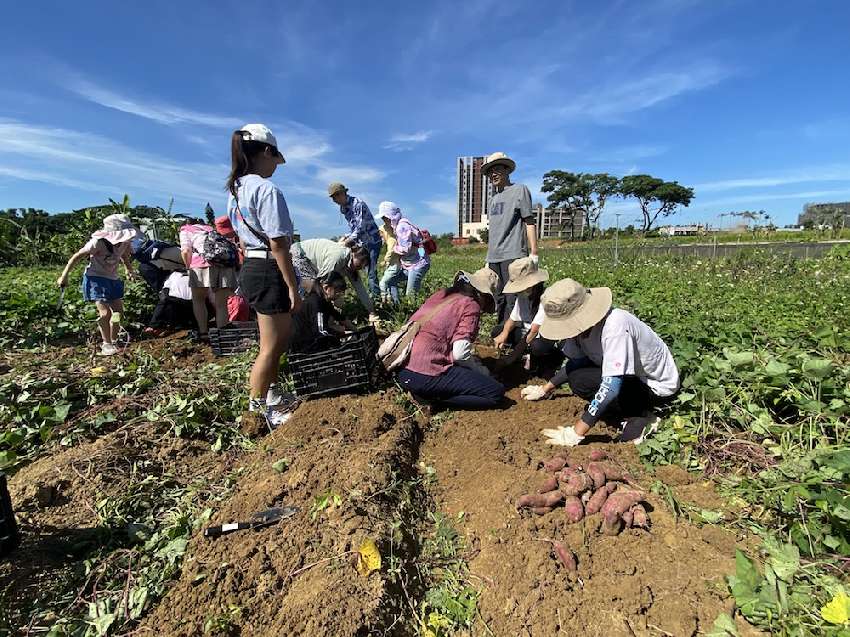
(586, 194)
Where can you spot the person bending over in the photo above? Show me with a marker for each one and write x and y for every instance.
(614, 360)
(318, 324)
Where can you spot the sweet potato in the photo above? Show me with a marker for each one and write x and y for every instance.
(531, 500)
(619, 502)
(554, 464)
(612, 528)
(574, 509)
(565, 556)
(597, 473)
(594, 505)
(614, 473)
(549, 484)
(613, 486)
(597, 454)
(541, 510)
(639, 517)
(578, 483)
(565, 473)
(553, 498)
(628, 517)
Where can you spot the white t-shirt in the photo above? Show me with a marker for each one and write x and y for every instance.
(263, 207)
(623, 345)
(522, 313)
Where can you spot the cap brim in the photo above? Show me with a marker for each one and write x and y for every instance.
(477, 282)
(528, 281)
(116, 236)
(593, 311)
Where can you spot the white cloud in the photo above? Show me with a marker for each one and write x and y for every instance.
(408, 141)
(799, 176)
(446, 207)
(350, 175)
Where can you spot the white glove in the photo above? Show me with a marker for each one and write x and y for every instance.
(562, 436)
(374, 320)
(535, 259)
(533, 392)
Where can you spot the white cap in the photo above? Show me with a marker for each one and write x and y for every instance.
(260, 133)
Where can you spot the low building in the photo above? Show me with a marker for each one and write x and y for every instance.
(558, 223)
(682, 231)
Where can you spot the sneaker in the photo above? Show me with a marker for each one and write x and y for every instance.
(275, 397)
(108, 349)
(638, 428)
(276, 417)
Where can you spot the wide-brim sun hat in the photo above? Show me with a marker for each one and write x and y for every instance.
(523, 274)
(117, 229)
(483, 280)
(389, 210)
(496, 159)
(570, 308)
(335, 187)
(262, 133)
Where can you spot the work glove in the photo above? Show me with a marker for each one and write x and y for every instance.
(533, 392)
(562, 436)
(535, 259)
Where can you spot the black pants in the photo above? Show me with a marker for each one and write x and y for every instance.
(540, 347)
(173, 313)
(635, 396)
(504, 302)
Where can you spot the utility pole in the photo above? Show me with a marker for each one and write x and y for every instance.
(617, 240)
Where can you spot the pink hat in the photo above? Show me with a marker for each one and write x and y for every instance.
(224, 227)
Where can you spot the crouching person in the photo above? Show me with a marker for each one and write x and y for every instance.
(614, 360)
(318, 324)
(442, 366)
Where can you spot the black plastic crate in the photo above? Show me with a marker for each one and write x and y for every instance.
(236, 337)
(8, 527)
(351, 366)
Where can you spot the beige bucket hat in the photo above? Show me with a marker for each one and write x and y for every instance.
(117, 229)
(336, 187)
(570, 308)
(483, 280)
(496, 158)
(524, 274)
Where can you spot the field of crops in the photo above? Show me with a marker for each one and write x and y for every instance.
(117, 464)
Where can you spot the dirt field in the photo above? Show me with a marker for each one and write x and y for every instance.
(298, 578)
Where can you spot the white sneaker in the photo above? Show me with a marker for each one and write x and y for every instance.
(277, 417)
(275, 398)
(107, 349)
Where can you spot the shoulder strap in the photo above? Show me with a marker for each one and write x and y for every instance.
(434, 312)
(263, 240)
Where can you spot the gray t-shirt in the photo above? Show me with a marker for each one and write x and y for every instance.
(506, 212)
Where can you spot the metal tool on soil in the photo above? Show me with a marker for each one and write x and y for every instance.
(259, 520)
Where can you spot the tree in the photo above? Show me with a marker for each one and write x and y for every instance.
(656, 197)
(484, 235)
(583, 193)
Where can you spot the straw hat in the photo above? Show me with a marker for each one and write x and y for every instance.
(497, 158)
(116, 229)
(483, 280)
(570, 308)
(524, 274)
(335, 187)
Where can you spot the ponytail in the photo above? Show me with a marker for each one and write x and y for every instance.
(242, 151)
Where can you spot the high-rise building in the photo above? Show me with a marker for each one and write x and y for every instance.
(473, 194)
(558, 223)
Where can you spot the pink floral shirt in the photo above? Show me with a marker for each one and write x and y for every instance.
(432, 348)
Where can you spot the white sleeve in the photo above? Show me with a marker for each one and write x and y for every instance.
(461, 351)
(538, 318)
(618, 354)
(515, 316)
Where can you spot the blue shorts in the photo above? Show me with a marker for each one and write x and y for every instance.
(98, 288)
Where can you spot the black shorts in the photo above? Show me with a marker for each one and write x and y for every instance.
(262, 285)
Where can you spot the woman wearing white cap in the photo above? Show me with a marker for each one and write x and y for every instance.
(414, 262)
(442, 366)
(614, 360)
(260, 217)
(105, 249)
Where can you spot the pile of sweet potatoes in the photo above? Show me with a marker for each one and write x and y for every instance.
(598, 486)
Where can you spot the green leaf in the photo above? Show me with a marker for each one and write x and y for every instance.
(740, 359)
(784, 559)
(102, 623)
(724, 626)
(817, 368)
(774, 368)
(7, 458)
(281, 465)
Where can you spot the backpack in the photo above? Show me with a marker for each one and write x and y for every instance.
(428, 242)
(395, 350)
(219, 251)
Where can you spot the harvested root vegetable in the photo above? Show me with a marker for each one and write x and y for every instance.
(627, 518)
(639, 517)
(618, 503)
(530, 500)
(612, 528)
(574, 509)
(597, 454)
(541, 510)
(614, 473)
(553, 498)
(565, 473)
(594, 505)
(565, 556)
(613, 486)
(550, 484)
(578, 483)
(554, 464)
(597, 473)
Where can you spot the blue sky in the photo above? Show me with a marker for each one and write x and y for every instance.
(746, 101)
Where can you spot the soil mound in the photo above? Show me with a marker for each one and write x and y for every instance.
(665, 581)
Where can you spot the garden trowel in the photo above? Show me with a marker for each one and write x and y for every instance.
(258, 520)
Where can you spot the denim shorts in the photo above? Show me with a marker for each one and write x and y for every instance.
(98, 288)
(262, 285)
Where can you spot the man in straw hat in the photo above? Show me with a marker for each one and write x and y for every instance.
(614, 360)
(363, 229)
(512, 232)
(522, 328)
